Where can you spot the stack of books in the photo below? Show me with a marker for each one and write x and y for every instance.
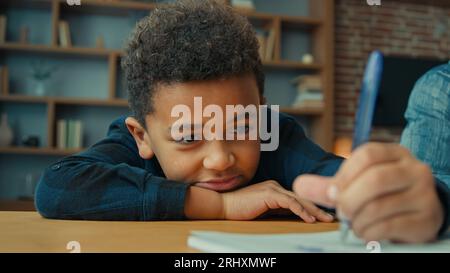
(243, 4)
(309, 91)
(69, 134)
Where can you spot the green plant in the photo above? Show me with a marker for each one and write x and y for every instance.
(42, 70)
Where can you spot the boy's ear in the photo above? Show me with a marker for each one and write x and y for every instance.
(141, 137)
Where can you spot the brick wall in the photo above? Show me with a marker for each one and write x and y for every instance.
(403, 28)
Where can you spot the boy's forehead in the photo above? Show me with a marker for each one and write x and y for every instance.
(223, 92)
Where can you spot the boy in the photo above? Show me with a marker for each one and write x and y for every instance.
(141, 171)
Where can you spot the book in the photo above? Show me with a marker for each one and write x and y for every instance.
(270, 45)
(24, 35)
(61, 129)
(310, 95)
(69, 134)
(74, 134)
(243, 4)
(262, 45)
(309, 104)
(2, 29)
(64, 34)
(223, 242)
(78, 135)
(1, 80)
(70, 143)
(4, 80)
(308, 82)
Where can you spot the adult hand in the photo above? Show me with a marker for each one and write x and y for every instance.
(384, 191)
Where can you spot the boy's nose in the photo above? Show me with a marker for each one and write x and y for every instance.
(219, 158)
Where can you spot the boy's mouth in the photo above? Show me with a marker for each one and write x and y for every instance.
(221, 184)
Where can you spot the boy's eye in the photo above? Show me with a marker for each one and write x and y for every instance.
(187, 140)
(242, 129)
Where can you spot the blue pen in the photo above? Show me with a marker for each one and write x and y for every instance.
(364, 115)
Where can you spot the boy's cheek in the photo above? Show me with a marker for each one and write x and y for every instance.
(181, 166)
(249, 155)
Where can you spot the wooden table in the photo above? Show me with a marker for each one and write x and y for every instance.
(29, 232)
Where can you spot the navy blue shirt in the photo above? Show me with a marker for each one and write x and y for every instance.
(110, 181)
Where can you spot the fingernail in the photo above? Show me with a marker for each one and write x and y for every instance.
(330, 216)
(332, 192)
(313, 218)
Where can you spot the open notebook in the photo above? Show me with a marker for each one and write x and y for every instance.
(211, 241)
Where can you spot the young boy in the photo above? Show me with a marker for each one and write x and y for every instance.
(141, 171)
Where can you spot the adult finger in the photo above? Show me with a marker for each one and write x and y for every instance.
(373, 183)
(282, 200)
(381, 209)
(394, 229)
(314, 188)
(365, 156)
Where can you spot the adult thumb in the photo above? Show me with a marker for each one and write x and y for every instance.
(315, 188)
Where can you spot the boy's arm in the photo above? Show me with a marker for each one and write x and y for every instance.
(249, 203)
(195, 207)
(108, 182)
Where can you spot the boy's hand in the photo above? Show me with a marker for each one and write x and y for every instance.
(384, 191)
(252, 201)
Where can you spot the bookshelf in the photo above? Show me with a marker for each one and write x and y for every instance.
(107, 98)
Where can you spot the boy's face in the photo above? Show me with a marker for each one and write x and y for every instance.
(219, 165)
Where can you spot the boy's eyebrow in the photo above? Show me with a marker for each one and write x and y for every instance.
(241, 115)
(194, 126)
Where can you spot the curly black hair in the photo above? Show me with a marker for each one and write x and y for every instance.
(186, 41)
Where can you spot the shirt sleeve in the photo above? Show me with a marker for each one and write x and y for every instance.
(427, 134)
(108, 181)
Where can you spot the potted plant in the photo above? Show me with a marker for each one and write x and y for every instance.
(41, 74)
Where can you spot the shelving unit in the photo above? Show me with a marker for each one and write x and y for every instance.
(38, 151)
(318, 26)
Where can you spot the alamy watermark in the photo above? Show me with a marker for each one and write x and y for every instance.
(74, 2)
(373, 2)
(374, 247)
(236, 125)
(74, 247)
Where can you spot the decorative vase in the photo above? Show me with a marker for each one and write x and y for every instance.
(6, 134)
(40, 87)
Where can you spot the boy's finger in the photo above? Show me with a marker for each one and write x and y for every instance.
(315, 211)
(290, 202)
(311, 208)
(314, 188)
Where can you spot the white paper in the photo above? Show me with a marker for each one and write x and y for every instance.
(210, 241)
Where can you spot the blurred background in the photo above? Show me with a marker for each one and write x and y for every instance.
(61, 84)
